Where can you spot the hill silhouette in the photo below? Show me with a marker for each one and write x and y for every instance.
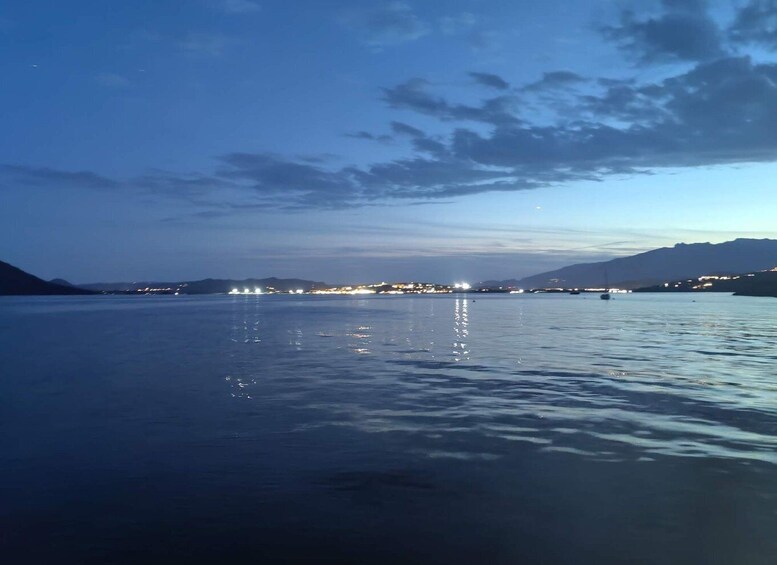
(14, 281)
(683, 261)
(208, 286)
(749, 284)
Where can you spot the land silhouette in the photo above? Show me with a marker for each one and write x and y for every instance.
(675, 268)
(681, 262)
(14, 281)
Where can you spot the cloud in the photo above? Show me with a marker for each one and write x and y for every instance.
(463, 22)
(400, 128)
(756, 22)
(22, 175)
(684, 32)
(370, 136)
(471, 28)
(112, 80)
(414, 95)
(722, 111)
(714, 112)
(191, 187)
(719, 112)
(554, 80)
(318, 158)
(293, 185)
(431, 146)
(423, 178)
(289, 183)
(484, 40)
(390, 24)
(490, 80)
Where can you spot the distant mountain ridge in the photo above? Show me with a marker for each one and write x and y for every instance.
(209, 286)
(682, 261)
(748, 284)
(15, 282)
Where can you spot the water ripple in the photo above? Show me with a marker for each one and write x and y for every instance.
(642, 379)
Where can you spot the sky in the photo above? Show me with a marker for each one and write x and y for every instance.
(351, 141)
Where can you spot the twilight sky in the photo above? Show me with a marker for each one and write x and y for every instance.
(352, 140)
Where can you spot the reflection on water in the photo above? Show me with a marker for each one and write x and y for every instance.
(360, 339)
(460, 329)
(526, 422)
(611, 386)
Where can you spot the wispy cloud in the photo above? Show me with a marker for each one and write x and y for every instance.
(458, 23)
(383, 25)
(46, 177)
(490, 80)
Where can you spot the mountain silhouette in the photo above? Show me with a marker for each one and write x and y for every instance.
(762, 283)
(14, 281)
(682, 261)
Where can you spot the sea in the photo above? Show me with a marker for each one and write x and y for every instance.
(460, 428)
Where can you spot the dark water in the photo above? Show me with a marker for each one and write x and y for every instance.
(513, 429)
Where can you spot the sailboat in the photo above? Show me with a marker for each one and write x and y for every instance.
(606, 294)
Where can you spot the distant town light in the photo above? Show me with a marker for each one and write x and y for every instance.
(363, 291)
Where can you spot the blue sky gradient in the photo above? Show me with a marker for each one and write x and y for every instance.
(345, 141)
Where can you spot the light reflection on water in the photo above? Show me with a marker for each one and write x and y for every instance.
(635, 378)
(506, 428)
(460, 329)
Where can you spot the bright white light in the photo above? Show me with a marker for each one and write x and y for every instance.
(363, 291)
(246, 291)
(300, 291)
(463, 286)
(234, 291)
(257, 291)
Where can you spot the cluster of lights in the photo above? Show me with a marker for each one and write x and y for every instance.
(245, 291)
(462, 286)
(387, 288)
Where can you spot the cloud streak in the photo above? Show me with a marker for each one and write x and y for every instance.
(384, 25)
(490, 80)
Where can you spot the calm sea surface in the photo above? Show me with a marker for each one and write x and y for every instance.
(505, 429)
